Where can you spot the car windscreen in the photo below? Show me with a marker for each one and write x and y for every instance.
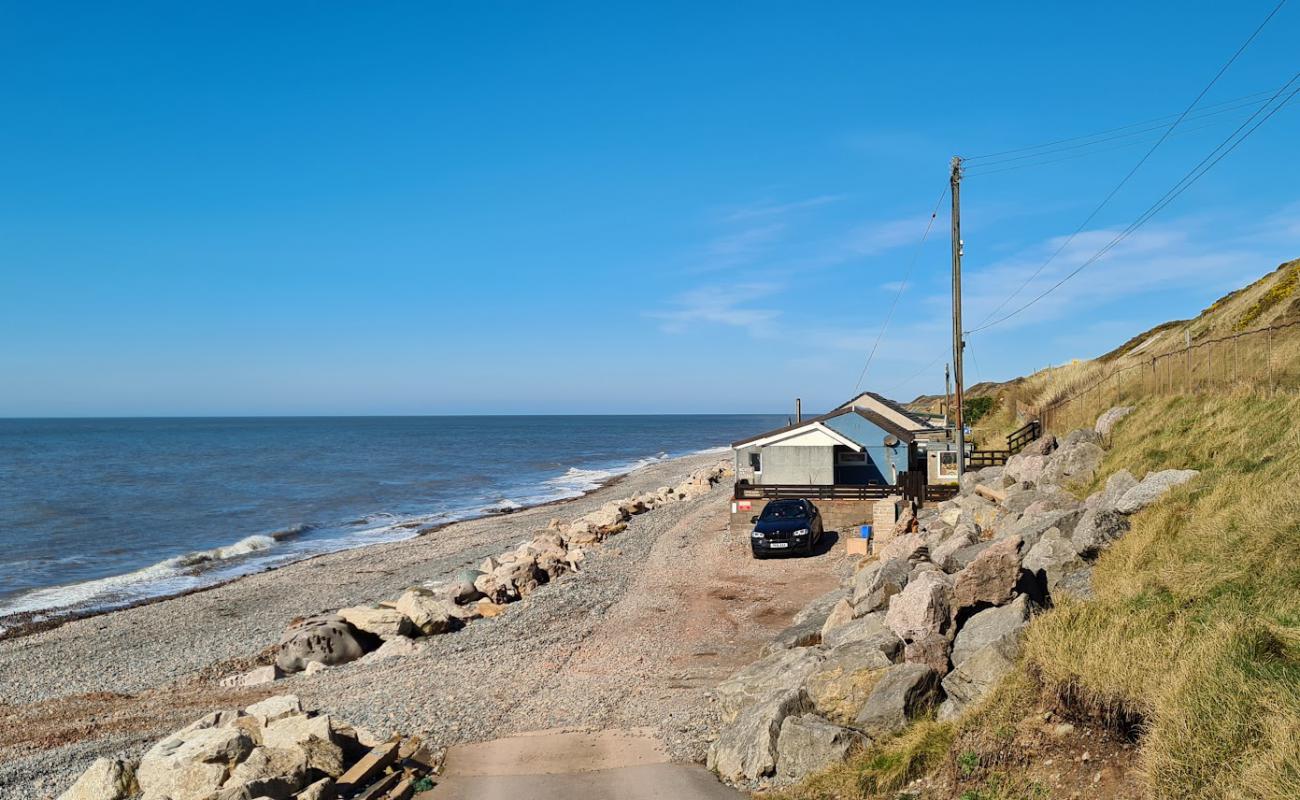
(784, 511)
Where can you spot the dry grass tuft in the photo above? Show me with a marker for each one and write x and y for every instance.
(881, 770)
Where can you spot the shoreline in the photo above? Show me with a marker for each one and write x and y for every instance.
(20, 625)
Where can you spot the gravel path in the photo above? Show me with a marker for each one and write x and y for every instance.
(660, 614)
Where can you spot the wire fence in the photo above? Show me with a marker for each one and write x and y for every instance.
(1264, 359)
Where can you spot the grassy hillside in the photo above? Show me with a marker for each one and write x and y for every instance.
(1181, 678)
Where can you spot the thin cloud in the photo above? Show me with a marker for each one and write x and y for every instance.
(721, 305)
(758, 210)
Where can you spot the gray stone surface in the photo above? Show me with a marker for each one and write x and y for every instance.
(1154, 486)
(874, 584)
(1107, 421)
(872, 628)
(800, 634)
(745, 749)
(924, 607)
(991, 578)
(1097, 529)
(1075, 462)
(975, 677)
(809, 744)
(768, 677)
(105, 779)
(990, 626)
(1052, 559)
(904, 692)
(327, 639)
(842, 682)
(1116, 486)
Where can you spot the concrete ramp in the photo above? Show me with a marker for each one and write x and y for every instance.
(627, 764)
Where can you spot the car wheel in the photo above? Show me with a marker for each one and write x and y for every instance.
(757, 555)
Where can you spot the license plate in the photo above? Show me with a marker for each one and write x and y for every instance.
(775, 545)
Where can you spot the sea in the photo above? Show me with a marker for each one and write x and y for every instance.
(97, 514)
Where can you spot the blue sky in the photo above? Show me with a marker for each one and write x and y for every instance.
(483, 207)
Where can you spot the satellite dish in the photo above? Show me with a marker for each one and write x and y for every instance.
(891, 440)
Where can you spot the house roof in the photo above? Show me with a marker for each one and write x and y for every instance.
(884, 423)
(920, 422)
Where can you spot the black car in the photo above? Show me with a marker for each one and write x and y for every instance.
(786, 526)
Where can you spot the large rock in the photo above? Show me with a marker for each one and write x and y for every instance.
(192, 763)
(841, 613)
(904, 692)
(976, 676)
(327, 639)
(428, 613)
(933, 651)
(462, 588)
(991, 578)
(905, 547)
(923, 607)
(963, 556)
(1052, 560)
(876, 583)
(1075, 462)
(105, 779)
(746, 747)
(820, 608)
(871, 628)
(990, 626)
(268, 772)
(1116, 486)
(1154, 486)
(942, 555)
(397, 647)
(1097, 529)
(801, 634)
(1107, 421)
(1031, 527)
(773, 676)
(809, 744)
(385, 623)
(1081, 436)
(1042, 446)
(1024, 467)
(274, 708)
(842, 682)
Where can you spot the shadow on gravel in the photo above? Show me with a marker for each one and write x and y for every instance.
(828, 541)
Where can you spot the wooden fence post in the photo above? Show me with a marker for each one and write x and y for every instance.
(1268, 336)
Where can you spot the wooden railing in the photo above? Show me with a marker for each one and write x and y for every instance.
(1024, 435)
(795, 491)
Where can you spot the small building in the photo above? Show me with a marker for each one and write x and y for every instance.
(847, 447)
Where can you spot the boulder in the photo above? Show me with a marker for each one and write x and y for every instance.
(923, 607)
(192, 763)
(382, 622)
(773, 676)
(397, 647)
(990, 626)
(871, 628)
(809, 744)
(274, 707)
(1097, 529)
(427, 612)
(904, 547)
(841, 683)
(1107, 421)
(270, 772)
(1042, 446)
(841, 613)
(1116, 486)
(746, 746)
(1024, 467)
(254, 677)
(990, 476)
(462, 588)
(876, 583)
(932, 650)
(975, 676)
(1154, 486)
(295, 729)
(820, 608)
(801, 634)
(1051, 560)
(1029, 529)
(991, 578)
(963, 556)
(1075, 462)
(904, 692)
(322, 789)
(1081, 436)
(105, 779)
(943, 554)
(327, 639)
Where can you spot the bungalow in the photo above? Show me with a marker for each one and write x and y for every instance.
(851, 446)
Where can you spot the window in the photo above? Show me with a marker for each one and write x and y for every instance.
(756, 461)
(947, 463)
(850, 458)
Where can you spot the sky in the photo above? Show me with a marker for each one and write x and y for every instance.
(489, 207)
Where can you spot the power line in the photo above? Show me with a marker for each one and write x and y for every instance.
(1105, 201)
(901, 287)
(1259, 98)
(982, 171)
(1185, 183)
(913, 376)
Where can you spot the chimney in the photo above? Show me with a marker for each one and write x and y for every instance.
(798, 411)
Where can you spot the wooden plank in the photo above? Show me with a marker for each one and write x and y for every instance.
(370, 765)
(990, 494)
(403, 790)
(380, 787)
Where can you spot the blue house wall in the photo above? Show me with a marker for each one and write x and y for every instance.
(883, 463)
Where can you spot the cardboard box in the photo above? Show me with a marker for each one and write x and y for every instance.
(856, 545)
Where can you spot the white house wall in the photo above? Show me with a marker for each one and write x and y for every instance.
(813, 437)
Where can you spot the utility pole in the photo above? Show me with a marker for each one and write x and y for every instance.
(947, 394)
(957, 341)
